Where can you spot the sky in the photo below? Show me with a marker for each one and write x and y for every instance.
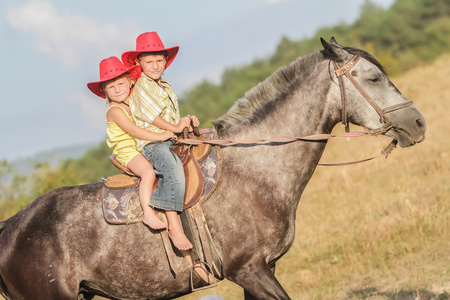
(50, 50)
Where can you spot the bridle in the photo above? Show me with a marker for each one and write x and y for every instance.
(341, 70)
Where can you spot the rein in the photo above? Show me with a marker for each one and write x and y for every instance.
(290, 139)
(340, 70)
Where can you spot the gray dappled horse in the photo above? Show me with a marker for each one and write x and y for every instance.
(60, 246)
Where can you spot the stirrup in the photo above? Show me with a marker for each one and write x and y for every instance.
(209, 274)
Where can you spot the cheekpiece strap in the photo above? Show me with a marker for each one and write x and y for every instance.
(348, 66)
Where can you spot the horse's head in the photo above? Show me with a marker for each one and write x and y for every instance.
(370, 99)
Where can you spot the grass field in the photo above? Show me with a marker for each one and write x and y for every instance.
(381, 229)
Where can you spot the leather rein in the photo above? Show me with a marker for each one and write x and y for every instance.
(340, 71)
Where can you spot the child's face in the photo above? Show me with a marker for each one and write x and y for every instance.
(152, 65)
(118, 89)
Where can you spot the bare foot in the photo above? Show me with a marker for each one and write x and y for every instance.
(152, 220)
(179, 239)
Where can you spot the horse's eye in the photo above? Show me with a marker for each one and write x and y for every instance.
(375, 80)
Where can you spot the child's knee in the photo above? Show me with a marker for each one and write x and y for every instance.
(149, 173)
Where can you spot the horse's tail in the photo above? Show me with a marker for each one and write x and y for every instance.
(2, 225)
(3, 290)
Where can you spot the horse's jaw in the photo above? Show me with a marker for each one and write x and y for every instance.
(403, 138)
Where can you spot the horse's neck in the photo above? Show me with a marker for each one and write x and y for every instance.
(305, 111)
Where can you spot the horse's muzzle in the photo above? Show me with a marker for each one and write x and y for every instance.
(408, 132)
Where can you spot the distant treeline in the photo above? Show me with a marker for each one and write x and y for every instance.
(409, 33)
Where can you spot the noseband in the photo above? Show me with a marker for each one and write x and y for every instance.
(345, 70)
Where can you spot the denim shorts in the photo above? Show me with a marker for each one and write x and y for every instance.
(169, 170)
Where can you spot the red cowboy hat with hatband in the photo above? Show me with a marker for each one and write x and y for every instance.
(148, 42)
(111, 68)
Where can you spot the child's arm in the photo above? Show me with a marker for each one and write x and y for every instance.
(163, 124)
(116, 115)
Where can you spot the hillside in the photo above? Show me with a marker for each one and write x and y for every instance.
(380, 229)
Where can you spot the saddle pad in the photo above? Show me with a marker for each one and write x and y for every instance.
(210, 170)
(209, 165)
(122, 206)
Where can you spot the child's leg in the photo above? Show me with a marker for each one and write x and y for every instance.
(142, 168)
(171, 188)
(176, 232)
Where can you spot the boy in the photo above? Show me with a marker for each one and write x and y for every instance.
(154, 107)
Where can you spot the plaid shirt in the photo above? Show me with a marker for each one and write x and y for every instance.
(148, 101)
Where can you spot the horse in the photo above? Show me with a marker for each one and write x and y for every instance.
(60, 247)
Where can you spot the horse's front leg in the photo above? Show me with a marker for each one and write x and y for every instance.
(258, 280)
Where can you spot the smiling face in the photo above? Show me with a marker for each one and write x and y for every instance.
(118, 89)
(153, 65)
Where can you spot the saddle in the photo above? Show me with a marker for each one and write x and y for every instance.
(189, 156)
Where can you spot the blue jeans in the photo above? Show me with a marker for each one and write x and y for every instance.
(169, 169)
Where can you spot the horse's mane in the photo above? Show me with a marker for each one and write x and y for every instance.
(268, 91)
(260, 97)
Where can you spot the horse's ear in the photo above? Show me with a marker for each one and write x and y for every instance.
(329, 50)
(333, 50)
(334, 42)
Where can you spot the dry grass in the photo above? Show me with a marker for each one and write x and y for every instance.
(381, 228)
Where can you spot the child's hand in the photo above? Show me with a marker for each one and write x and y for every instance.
(167, 135)
(183, 123)
(195, 121)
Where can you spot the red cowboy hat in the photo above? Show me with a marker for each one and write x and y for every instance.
(111, 68)
(148, 42)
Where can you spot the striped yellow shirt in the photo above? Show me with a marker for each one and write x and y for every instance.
(148, 101)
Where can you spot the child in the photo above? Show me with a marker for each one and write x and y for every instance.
(115, 85)
(155, 107)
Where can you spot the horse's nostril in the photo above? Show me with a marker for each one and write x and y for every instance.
(420, 122)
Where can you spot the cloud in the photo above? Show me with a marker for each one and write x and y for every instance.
(53, 33)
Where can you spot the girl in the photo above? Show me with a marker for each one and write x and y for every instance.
(115, 86)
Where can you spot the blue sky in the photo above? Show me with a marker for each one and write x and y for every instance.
(50, 49)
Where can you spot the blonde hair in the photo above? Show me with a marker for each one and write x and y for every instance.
(127, 75)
